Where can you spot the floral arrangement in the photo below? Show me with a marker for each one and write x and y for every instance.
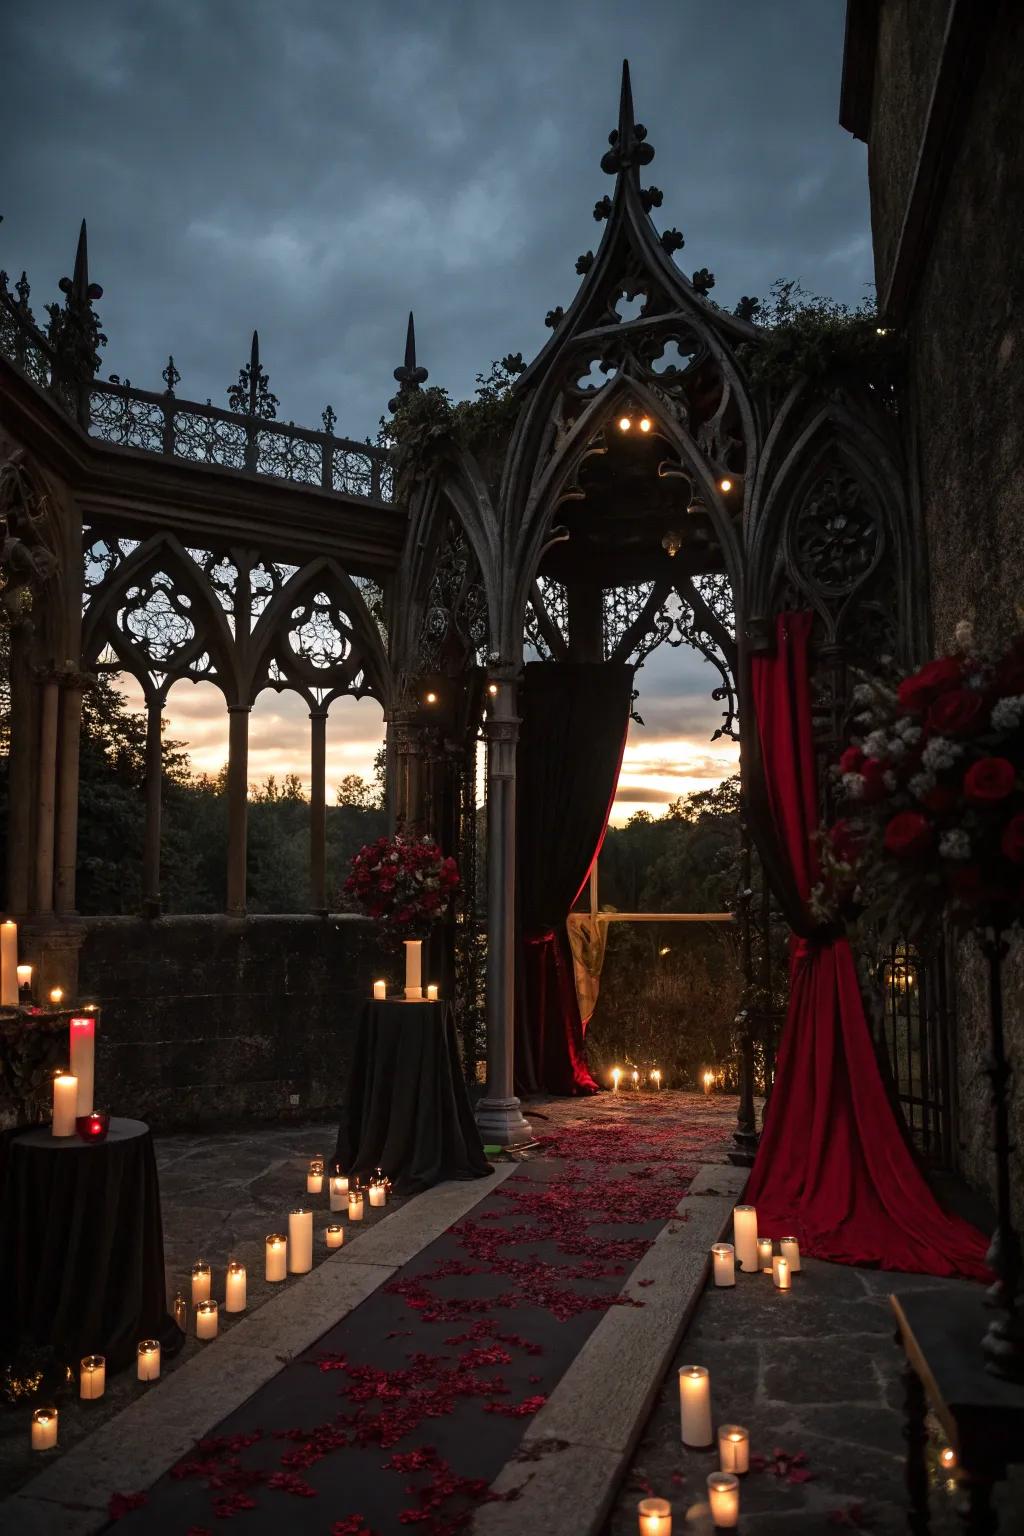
(934, 790)
(404, 883)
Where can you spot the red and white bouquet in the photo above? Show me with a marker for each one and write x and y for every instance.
(404, 883)
(933, 787)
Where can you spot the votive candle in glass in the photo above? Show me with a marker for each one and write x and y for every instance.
(723, 1258)
(378, 1194)
(277, 1257)
(92, 1378)
(432, 992)
(744, 1227)
(790, 1250)
(695, 1406)
(765, 1251)
(149, 1359)
(201, 1282)
(338, 1190)
(56, 996)
(380, 991)
(207, 1316)
(234, 1287)
(355, 1205)
(180, 1309)
(315, 1176)
(724, 1498)
(25, 981)
(655, 1517)
(65, 1104)
(94, 1126)
(300, 1241)
(44, 1428)
(780, 1274)
(334, 1236)
(733, 1448)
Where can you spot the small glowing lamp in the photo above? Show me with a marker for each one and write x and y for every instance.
(947, 1456)
(624, 423)
(709, 1078)
(725, 485)
(645, 424)
(431, 698)
(492, 689)
(616, 1076)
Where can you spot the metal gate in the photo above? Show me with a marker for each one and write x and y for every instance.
(916, 1045)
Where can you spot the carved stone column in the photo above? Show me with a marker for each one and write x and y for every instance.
(74, 684)
(498, 1114)
(318, 810)
(405, 742)
(21, 787)
(238, 805)
(46, 790)
(154, 807)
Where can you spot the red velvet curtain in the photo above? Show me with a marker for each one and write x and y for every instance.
(575, 716)
(833, 1166)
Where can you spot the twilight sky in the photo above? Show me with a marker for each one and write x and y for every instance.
(317, 168)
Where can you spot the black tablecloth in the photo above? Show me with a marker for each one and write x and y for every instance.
(405, 1107)
(82, 1246)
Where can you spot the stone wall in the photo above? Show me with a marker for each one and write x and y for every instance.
(209, 1020)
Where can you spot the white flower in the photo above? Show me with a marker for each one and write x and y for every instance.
(907, 731)
(890, 780)
(896, 749)
(862, 694)
(963, 636)
(921, 784)
(940, 753)
(853, 785)
(876, 744)
(1008, 713)
(955, 844)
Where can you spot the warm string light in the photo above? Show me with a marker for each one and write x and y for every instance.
(725, 485)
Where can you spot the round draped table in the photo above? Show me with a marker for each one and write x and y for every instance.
(82, 1246)
(405, 1107)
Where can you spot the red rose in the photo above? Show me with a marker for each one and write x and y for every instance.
(939, 800)
(916, 692)
(908, 835)
(989, 779)
(1012, 842)
(851, 760)
(874, 784)
(845, 843)
(959, 713)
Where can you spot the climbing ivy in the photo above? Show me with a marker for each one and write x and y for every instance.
(428, 422)
(805, 336)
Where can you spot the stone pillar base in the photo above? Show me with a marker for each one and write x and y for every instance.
(500, 1123)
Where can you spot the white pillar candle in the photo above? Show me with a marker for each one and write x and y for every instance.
(635, 1079)
(655, 1517)
(414, 968)
(149, 1359)
(616, 1074)
(765, 1252)
(56, 996)
(380, 991)
(300, 1241)
(315, 1176)
(695, 1406)
(44, 1424)
(92, 1378)
(234, 1287)
(744, 1227)
(378, 1194)
(334, 1236)
(9, 999)
(277, 1257)
(206, 1320)
(733, 1448)
(201, 1282)
(355, 1205)
(791, 1253)
(723, 1256)
(724, 1498)
(24, 978)
(432, 992)
(780, 1273)
(65, 1104)
(338, 1189)
(82, 1033)
(656, 1078)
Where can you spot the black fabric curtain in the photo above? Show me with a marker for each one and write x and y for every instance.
(575, 716)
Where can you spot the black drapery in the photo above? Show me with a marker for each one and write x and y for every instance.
(575, 716)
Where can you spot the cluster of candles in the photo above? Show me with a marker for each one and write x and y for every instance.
(636, 1078)
(754, 1254)
(380, 991)
(73, 1090)
(15, 979)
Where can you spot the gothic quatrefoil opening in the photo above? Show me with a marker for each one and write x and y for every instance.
(595, 376)
(320, 633)
(156, 618)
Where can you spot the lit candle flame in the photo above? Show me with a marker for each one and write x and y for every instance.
(616, 1074)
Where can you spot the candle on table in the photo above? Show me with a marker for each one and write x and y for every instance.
(44, 1424)
(781, 1275)
(744, 1227)
(334, 1236)
(207, 1313)
(65, 1102)
(733, 1448)
(791, 1253)
(277, 1257)
(82, 1031)
(201, 1281)
(432, 992)
(180, 1309)
(234, 1287)
(92, 1378)
(724, 1498)
(24, 980)
(695, 1406)
(378, 1194)
(380, 991)
(9, 985)
(655, 1516)
(315, 1176)
(56, 995)
(93, 1127)
(300, 1241)
(355, 1205)
(765, 1251)
(338, 1188)
(414, 968)
(149, 1359)
(723, 1257)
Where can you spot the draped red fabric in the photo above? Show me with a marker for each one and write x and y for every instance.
(832, 1166)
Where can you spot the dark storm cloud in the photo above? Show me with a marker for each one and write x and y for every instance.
(319, 167)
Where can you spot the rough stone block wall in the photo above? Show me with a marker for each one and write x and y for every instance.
(208, 1020)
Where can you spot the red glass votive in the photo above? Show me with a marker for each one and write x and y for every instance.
(93, 1127)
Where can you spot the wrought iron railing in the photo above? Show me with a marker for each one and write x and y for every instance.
(916, 1044)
